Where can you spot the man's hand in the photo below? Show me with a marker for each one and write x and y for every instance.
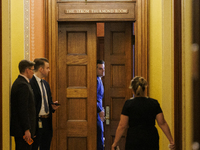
(55, 106)
(27, 136)
(102, 115)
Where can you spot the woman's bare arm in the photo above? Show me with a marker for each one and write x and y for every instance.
(165, 128)
(123, 125)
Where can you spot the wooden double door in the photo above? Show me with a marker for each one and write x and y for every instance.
(77, 56)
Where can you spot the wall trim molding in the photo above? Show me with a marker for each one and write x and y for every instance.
(27, 29)
(187, 70)
(178, 103)
(6, 76)
(167, 82)
(1, 137)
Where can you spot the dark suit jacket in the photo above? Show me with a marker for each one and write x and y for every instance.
(22, 108)
(38, 97)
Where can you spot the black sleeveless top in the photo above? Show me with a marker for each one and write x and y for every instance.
(142, 133)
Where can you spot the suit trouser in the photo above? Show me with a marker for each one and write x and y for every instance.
(43, 135)
(20, 144)
(100, 142)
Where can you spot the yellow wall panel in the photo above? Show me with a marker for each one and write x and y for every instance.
(17, 40)
(155, 52)
(161, 65)
(161, 61)
(17, 35)
(6, 74)
(187, 74)
(167, 67)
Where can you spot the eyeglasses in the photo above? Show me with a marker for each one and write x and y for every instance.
(31, 69)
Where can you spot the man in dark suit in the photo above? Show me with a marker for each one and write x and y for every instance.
(43, 104)
(23, 111)
(100, 110)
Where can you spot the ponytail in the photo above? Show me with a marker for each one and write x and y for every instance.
(138, 84)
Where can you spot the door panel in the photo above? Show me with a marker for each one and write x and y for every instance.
(118, 58)
(77, 86)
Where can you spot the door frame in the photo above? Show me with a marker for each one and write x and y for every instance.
(51, 40)
(1, 74)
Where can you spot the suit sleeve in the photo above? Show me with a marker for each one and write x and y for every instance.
(34, 87)
(24, 95)
(99, 105)
(50, 97)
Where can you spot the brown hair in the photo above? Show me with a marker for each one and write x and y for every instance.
(100, 62)
(138, 84)
(39, 62)
(23, 64)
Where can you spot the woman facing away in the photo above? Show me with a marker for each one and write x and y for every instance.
(139, 115)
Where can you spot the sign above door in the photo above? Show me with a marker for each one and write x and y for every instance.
(96, 11)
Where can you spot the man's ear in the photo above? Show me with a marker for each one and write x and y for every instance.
(40, 69)
(26, 70)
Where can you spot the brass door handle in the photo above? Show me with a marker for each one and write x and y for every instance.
(107, 115)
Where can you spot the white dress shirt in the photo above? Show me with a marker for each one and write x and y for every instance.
(42, 111)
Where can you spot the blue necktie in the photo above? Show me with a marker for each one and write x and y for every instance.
(44, 97)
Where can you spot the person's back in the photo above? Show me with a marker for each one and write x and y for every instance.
(138, 116)
(16, 119)
(142, 113)
(22, 118)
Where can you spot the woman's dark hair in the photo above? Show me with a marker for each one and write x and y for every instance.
(138, 84)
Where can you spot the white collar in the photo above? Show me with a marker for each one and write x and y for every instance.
(24, 77)
(37, 78)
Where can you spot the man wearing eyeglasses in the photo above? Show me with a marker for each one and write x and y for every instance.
(23, 120)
